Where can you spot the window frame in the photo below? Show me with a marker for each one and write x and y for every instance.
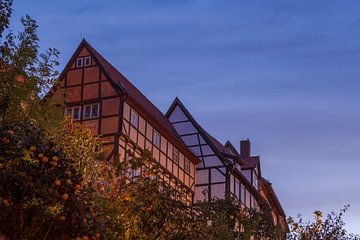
(85, 59)
(91, 110)
(134, 113)
(81, 59)
(72, 110)
(156, 136)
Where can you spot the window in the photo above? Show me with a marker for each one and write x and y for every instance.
(74, 112)
(237, 188)
(156, 138)
(87, 61)
(242, 194)
(79, 62)
(176, 156)
(187, 166)
(255, 181)
(134, 118)
(91, 111)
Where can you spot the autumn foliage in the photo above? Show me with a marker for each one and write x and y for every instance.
(44, 188)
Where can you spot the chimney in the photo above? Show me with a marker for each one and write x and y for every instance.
(245, 148)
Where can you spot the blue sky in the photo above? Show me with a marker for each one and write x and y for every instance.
(283, 73)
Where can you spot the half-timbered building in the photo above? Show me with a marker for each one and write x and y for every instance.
(220, 171)
(194, 162)
(277, 212)
(103, 100)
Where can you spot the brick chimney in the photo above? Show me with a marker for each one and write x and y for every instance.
(245, 148)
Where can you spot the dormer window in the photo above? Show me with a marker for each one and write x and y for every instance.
(91, 111)
(87, 61)
(79, 62)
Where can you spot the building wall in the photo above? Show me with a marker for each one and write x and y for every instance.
(213, 179)
(85, 85)
(141, 133)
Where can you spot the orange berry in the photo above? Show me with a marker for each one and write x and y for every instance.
(55, 158)
(85, 237)
(33, 148)
(5, 202)
(57, 182)
(54, 164)
(11, 132)
(77, 187)
(62, 217)
(45, 159)
(65, 196)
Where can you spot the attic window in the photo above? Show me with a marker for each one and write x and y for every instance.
(79, 62)
(87, 61)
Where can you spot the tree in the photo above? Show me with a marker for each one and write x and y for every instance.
(26, 74)
(137, 204)
(45, 188)
(229, 219)
(330, 228)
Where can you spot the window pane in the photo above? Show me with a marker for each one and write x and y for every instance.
(95, 110)
(87, 111)
(87, 61)
(134, 118)
(76, 113)
(242, 194)
(79, 62)
(156, 138)
(237, 188)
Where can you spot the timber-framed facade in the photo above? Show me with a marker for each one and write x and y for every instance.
(194, 163)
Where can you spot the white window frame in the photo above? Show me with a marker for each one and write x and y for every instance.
(156, 138)
(85, 59)
(77, 62)
(134, 118)
(91, 110)
(72, 111)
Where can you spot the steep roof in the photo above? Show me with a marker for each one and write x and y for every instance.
(122, 84)
(221, 151)
(132, 91)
